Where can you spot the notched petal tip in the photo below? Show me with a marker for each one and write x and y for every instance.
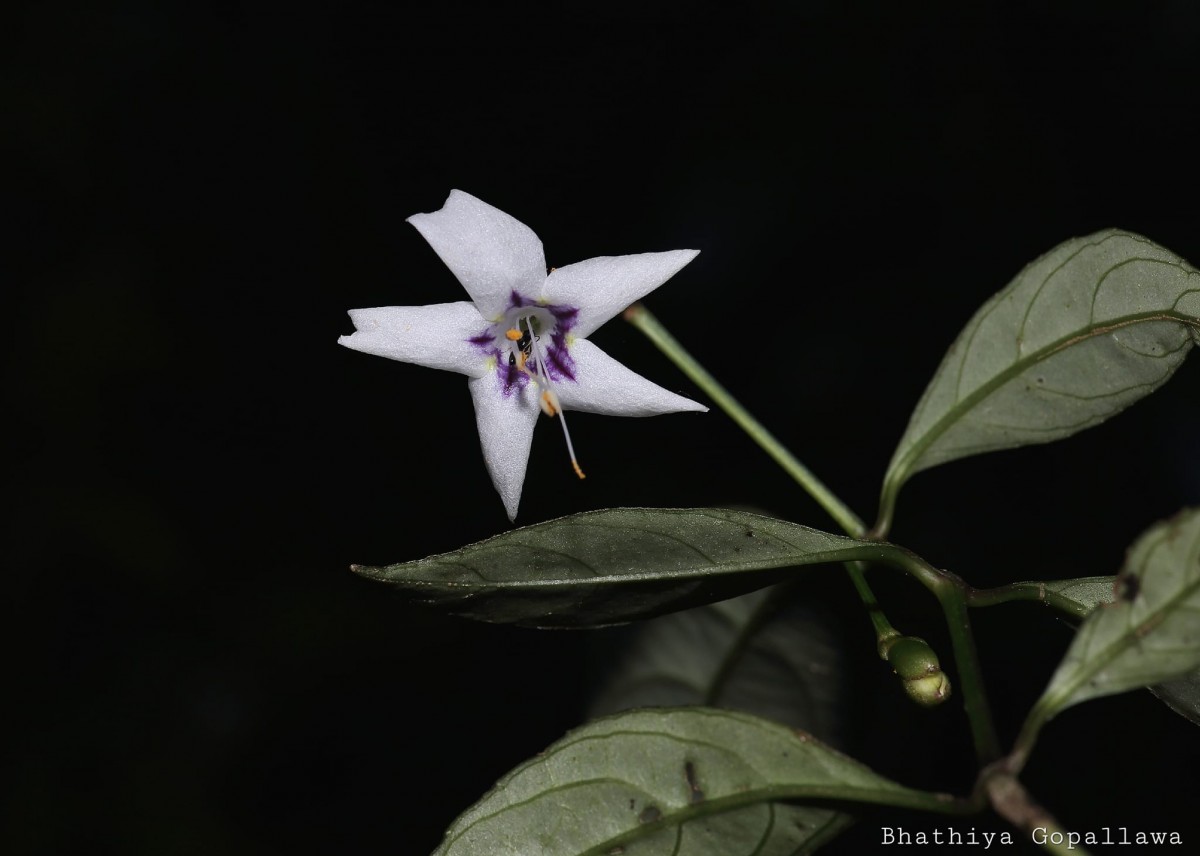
(358, 317)
(455, 198)
(490, 252)
(436, 336)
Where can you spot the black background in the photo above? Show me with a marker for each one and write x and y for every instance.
(198, 191)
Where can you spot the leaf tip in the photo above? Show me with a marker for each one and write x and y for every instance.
(368, 571)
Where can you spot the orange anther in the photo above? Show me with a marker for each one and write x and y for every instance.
(513, 335)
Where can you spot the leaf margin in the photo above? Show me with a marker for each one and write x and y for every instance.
(718, 582)
(886, 791)
(905, 460)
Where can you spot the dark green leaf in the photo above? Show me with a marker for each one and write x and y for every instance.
(762, 829)
(1182, 695)
(761, 653)
(1080, 334)
(606, 567)
(1150, 632)
(671, 781)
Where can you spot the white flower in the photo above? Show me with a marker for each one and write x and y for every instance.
(521, 340)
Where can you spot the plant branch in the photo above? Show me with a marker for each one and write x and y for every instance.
(1038, 716)
(639, 316)
(1027, 591)
(949, 590)
(887, 510)
(970, 676)
(1012, 802)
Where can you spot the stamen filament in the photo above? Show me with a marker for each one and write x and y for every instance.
(549, 398)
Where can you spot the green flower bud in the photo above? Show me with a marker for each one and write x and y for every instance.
(917, 665)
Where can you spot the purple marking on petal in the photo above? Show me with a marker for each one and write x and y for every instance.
(511, 379)
(482, 340)
(559, 363)
(565, 315)
(516, 299)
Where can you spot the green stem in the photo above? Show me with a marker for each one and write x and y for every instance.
(884, 631)
(1027, 591)
(950, 590)
(887, 508)
(1038, 716)
(1045, 707)
(640, 317)
(951, 593)
(979, 712)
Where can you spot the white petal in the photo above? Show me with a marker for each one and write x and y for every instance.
(602, 385)
(434, 336)
(603, 286)
(491, 253)
(505, 432)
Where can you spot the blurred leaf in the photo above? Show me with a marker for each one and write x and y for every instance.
(1182, 695)
(761, 653)
(1152, 630)
(671, 781)
(606, 567)
(1082, 333)
(1084, 591)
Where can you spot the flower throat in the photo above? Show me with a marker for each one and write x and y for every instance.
(525, 349)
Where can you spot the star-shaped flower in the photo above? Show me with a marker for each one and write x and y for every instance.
(521, 340)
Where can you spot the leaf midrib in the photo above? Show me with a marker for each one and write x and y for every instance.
(863, 552)
(900, 797)
(1131, 635)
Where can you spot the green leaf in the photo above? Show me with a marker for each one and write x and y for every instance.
(763, 829)
(611, 566)
(1074, 598)
(1085, 592)
(1181, 694)
(762, 653)
(1082, 333)
(686, 781)
(1151, 631)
